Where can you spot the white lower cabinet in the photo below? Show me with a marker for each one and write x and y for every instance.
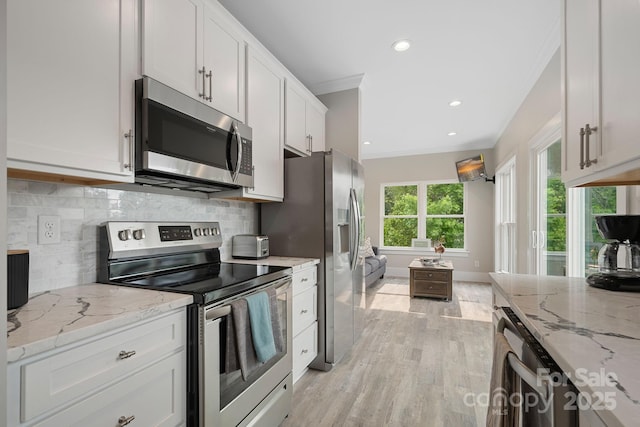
(305, 320)
(136, 373)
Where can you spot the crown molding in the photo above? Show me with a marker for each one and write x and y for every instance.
(350, 82)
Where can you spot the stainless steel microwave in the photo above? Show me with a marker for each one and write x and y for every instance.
(184, 144)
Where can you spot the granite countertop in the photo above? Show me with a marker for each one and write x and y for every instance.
(295, 263)
(593, 334)
(58, 317)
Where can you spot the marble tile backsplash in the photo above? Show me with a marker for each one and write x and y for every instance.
(81, 209)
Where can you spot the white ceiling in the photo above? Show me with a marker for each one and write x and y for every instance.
(487, 53)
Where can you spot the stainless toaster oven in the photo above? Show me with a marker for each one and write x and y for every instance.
(250, 246)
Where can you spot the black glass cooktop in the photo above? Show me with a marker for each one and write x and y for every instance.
(211, 282)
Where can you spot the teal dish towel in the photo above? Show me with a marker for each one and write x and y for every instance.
(261, 330)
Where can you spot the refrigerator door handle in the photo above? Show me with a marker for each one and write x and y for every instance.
(354, 250)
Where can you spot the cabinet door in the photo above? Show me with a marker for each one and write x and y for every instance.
(172, 44)
(265, 115)
(155, 396)
(315, 127)
(620, 91)
(224, 56)
(295, 119)
(580, 85)
(67, 85)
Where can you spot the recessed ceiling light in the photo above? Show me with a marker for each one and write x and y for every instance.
(401, 45)
(367, 142)
(455, 103)
(451, 133)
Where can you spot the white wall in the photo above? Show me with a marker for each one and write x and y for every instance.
(342, 125)
(539, 107)
(436, 167)
(82, 209)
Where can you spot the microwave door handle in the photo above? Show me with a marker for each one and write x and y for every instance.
(236, 171)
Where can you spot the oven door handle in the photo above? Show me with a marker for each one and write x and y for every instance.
(217, 313)
(225, 310)
(541, 385)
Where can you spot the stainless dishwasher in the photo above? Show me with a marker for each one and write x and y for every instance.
(548, 396)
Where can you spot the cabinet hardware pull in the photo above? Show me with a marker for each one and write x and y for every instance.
(588, 131)
(126, 354)
(129, 137)
(123, 421)
(304, 279)
(203, 95)
(311, 143)
(304, 351)
(304, 311)
(210, 77)
(582, 148)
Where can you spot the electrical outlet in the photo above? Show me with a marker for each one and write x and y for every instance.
(477, 263)
(48, 229)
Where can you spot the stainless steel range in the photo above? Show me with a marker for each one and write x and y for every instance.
(230, 381)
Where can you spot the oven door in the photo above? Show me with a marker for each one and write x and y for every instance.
(179, 136)
(227, 398)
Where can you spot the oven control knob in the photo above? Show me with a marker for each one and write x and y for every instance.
(206, 231)
(125, 235)
(197, 232)
(215, 231)
(139, 234)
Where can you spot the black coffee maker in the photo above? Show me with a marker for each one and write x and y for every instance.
(619, 258)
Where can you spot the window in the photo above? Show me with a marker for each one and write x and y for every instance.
(423, 210)
(505, 227)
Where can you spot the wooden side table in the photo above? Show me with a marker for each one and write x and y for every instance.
(431, 280)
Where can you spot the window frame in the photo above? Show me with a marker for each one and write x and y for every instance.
(422, 214)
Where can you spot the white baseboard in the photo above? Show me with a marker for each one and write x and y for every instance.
(462, 276)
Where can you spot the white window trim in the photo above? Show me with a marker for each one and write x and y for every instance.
(422, 191)
(505, 217)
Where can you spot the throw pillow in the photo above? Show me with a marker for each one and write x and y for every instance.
(367, 250)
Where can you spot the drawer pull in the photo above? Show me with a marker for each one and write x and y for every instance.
(304, 279)
(305, 351)
(123, 421)
(304, 311)
(126, 354)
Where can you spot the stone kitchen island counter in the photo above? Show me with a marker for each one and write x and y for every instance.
(593, 335)
(58, 317)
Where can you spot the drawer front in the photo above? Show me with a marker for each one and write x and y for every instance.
(440, 276)
(304, 308)
(305, 348)
(75, 372)
(432, 288)
(155, 396)
(305, 279)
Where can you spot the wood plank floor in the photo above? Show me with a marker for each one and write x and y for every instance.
(414, 364)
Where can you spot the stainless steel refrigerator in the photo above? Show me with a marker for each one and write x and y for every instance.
(321, 217)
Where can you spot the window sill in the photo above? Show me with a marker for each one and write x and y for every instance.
(449, 253)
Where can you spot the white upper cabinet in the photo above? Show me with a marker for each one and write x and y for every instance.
(172, 43)
(71, 67)
(265, 116)
(191, 46)
(601, 133)
(304, 120)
